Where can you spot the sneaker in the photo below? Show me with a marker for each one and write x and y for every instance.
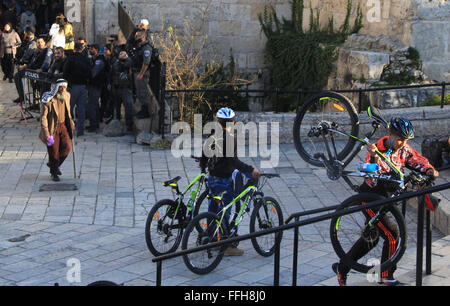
(232, 251)
(11, 81)
(18, 100)
(342, 278)
(389, 281)
(55, 178)
(4, 78)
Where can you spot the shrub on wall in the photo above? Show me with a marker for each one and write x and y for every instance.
(303, 59)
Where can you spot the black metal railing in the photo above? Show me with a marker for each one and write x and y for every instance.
(261, 95)
(299, 223)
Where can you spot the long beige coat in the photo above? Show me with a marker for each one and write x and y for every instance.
(9, 40)
(49, 118)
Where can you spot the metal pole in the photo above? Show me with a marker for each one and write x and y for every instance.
(276, 271)
(276, 100)
(359, 101)
(419, 257)
(442, 94)
(295, 256)
(429, 227)
(404, 208)
(158, 273)
(73, 157)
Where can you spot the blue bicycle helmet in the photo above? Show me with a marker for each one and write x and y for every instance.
(401, 127)
(225, 113)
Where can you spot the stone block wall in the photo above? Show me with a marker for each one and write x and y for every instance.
(428, 121)
(234, 24)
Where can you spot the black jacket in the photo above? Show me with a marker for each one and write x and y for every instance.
(98, 71)
(77, 70)
(224, 164)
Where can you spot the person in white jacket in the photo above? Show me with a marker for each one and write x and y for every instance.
(57, 33)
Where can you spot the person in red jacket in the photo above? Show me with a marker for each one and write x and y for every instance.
(395, 147)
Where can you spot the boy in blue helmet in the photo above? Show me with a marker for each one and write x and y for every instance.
(395, 147)
(226, 172)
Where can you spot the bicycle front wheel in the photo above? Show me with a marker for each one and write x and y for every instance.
(163, 229)
(365, 246)
(266, 215)
(321, 112)
(204, 229)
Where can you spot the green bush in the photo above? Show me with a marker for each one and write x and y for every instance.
(436, 100)
(301, 59)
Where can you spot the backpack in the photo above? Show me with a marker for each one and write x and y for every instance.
(432, 149)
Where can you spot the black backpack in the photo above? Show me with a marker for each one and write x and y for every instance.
(432, 149)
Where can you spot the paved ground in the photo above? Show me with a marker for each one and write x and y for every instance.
(102, 224)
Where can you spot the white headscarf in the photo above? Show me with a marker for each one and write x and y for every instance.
(48, 95)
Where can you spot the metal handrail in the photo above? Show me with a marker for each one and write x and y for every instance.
(311, 220)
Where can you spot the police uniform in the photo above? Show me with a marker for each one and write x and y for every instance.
(121, 86)
(143, 57)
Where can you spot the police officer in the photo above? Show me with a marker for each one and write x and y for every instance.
(77, 71)
(122, 87)
(142, 26)
(98, 79)
(140, 65)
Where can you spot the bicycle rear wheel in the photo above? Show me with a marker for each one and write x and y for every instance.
(358, 244)
(266, 215)
(164, 229)
(325, 110)
(205, 228)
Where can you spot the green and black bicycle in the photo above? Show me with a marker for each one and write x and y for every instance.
(208, 227)
(168, 218)
(325, 132)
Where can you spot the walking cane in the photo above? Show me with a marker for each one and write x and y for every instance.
(73, 155)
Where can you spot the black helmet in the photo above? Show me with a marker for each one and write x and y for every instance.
(401, 127)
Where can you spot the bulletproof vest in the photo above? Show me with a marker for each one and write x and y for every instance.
(100, 78)
(121, 75)
(138, 59)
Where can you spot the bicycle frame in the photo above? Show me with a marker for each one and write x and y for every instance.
(400, 176)
(247, 193)
(200, 179)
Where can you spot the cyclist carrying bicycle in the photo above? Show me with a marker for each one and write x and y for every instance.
(395, 147)
(227, 173)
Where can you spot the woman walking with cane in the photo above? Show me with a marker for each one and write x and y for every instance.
(56, 126)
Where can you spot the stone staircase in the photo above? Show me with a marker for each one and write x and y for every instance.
(406, 272)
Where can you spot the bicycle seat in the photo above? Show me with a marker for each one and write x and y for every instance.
(172, 181)
(375, 114)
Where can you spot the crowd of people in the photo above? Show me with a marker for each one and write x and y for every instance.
(36, 36)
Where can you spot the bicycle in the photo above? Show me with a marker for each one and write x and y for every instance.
(168, 218)
(315, 137)
(208, 227)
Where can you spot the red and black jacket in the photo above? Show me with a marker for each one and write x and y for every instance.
(405, 157)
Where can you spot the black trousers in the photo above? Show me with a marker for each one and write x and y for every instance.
(7, 64)
(388, 231)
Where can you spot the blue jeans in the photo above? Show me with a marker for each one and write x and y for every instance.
(231, 187)
(78, 96)
(93, 106)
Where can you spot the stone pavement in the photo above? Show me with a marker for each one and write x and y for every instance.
(101, 225)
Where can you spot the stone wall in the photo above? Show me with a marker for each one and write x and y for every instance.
(423, 24)
(234, 24)
(428, 121)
